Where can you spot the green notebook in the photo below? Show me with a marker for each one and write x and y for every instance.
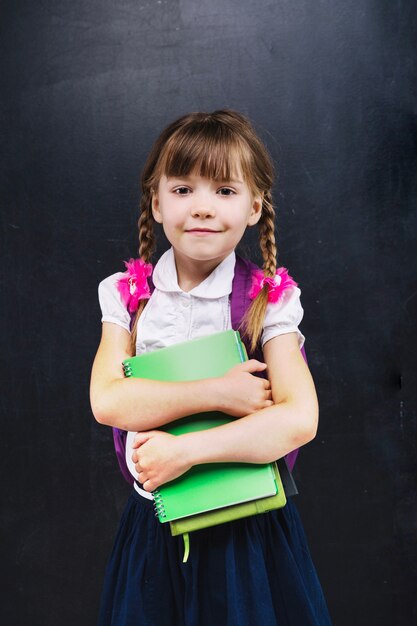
(205, 357)
(207, 493)
(233, 512)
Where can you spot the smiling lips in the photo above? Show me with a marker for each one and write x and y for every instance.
(202, 230)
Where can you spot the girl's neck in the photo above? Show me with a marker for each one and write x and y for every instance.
(191, 273)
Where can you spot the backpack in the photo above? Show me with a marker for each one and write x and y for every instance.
(239, 303)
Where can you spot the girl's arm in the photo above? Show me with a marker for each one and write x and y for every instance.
(134, 403)
(259, 437)
(139, 404)
(271, 432)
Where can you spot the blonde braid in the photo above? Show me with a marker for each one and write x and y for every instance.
(147, 247)
(252, 323)
(267, 236)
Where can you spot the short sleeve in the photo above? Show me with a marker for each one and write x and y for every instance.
(112, 308)
(284, 316)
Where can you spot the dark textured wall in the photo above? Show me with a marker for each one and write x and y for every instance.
(86, 87)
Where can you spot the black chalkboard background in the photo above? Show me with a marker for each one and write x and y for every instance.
(330, 86)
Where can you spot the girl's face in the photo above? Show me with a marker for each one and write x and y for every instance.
(204, 220)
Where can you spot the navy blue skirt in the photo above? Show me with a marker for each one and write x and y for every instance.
(257, 570)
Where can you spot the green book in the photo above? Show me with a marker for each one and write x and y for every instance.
(212, 493)
(232, 512)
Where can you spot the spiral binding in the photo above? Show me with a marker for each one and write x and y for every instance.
(127, 369)
(158, 504)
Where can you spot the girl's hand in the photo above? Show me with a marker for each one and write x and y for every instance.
(159, 457)
(241, 393)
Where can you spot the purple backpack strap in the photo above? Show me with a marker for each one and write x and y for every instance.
(119, 436)
(239, 302)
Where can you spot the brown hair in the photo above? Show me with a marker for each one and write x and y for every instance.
(210, 145)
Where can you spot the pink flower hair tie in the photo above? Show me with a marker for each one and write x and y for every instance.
(133, 286)
(276, 285)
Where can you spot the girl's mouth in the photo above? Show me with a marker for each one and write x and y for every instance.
(202, 230)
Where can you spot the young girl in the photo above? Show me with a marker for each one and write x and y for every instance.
(208, 177)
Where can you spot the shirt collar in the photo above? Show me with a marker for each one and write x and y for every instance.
(216, 285)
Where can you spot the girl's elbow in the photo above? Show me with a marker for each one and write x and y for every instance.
(100, 409)
(308, 436)
(99, 414)
(105, 401)
(305, 421)
(308, 430)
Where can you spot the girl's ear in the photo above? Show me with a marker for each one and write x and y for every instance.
(256, 211)
(155, 208)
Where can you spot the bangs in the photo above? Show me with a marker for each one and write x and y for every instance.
(207, 150)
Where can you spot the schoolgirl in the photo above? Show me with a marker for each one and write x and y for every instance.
(207, 179)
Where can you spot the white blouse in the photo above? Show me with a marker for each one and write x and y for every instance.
(173, 315)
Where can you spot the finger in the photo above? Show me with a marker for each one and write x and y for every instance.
(253, 365)
(259, 365)
(141, 438)
(135, 459)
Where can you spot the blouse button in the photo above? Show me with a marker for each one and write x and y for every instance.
(185, 302)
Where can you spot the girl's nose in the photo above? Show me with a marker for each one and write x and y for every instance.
(202, 208)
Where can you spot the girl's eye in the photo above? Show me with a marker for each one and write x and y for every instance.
(181, 190)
